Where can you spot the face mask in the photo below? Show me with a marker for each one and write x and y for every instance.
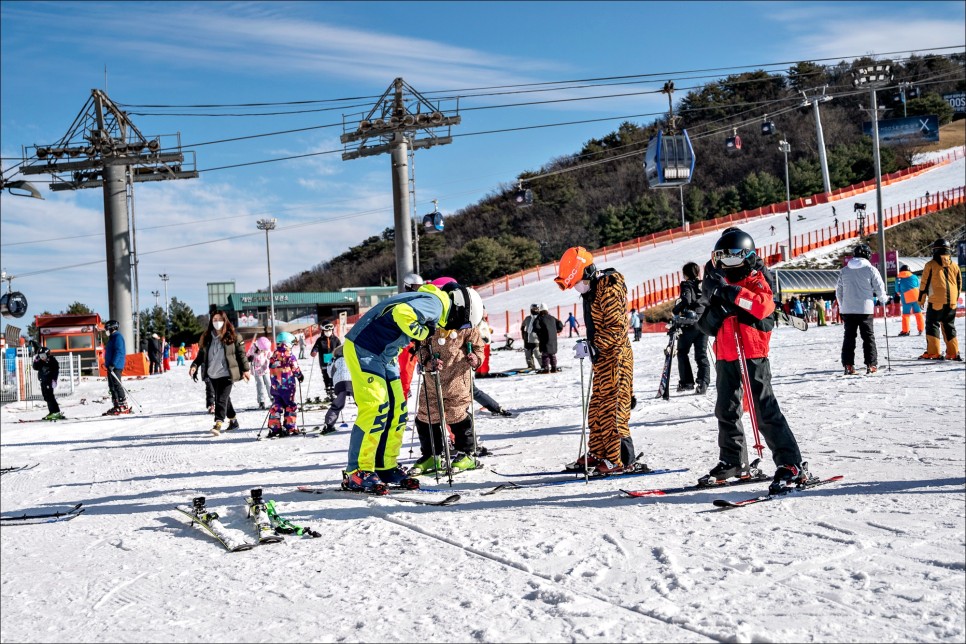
(218, 325)
(582, 286)
(327, 333)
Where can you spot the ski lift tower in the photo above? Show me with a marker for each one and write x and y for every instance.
(400, 118)
(116, 156)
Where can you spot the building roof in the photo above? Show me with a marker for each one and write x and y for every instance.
(808, 280)
(238, 301)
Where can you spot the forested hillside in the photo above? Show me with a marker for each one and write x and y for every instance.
(580, 203)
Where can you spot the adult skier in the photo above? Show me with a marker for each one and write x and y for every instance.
(547, 328)
(221, 362)
(939, 291)
(114, 358)
(858, 285)
(739, 309)
(325, 347)
(604, 295)
(371, 350)
(687, 312)
(531, 341)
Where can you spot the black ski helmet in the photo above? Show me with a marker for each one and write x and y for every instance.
(863, 251)
(111, 326)
(940, 247)
(735, 248)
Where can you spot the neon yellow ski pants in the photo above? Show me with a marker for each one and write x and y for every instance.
(380, 426)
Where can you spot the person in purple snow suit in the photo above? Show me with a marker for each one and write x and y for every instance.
(284, 368)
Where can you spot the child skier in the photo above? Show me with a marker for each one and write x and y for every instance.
(342, 387)
(259, 354)
(325, 347)
(285, 370)
(907, 286)
(740, 311)
(47, 372)
(114, 360)
(182, 352)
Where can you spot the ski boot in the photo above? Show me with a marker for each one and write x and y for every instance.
(276, 433)
(506, 414)
(871, 368)
(362, 481)
(788, 477)
(328, 429)
(958, 357)
(463, 462)
(427, 465)
(579, 465)
(54, 416)
(216, 428)
(700, 389)
(721, 473)
(398, 477)
(931, 356)
(849, 370)
(606, 468)
(111, 412)
(232, 424)
(903, 334)
(684, 387)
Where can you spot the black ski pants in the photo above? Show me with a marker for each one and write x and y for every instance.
(48, 392)
(863, 324)
(691, 336)
(774, 428)
(118, 395)
(222, 390)
(942, 320)
(484, 399)
(462, 437)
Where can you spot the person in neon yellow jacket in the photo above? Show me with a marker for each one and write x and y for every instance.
(371, 352)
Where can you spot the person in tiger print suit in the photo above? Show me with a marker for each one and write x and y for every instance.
(604, 295)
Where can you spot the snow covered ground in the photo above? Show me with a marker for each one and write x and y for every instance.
(876, 557)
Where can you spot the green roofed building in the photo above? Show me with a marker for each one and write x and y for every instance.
(249, 310)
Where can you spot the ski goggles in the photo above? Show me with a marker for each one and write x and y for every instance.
(731, 257)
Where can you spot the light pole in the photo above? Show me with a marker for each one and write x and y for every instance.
(156, 295)
(267, 225)
(872, 77)
(786, 147)
(167, 318)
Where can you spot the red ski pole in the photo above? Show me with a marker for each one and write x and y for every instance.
(746, 385)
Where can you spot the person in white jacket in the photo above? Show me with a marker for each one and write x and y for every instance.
(858, 285)
(258, 354)
(341, 387)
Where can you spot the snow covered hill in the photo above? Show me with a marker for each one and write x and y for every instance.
(877, 557)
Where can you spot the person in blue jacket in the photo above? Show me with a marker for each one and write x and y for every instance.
(907, 286)
(114, 354)
(371, 351)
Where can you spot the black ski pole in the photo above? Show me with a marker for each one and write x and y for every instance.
(432, 438)
(301, 406)
(442, 424)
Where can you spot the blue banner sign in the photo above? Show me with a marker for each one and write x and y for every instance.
(906, 131)
(957, 101)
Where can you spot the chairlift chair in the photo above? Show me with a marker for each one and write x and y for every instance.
(669, 160)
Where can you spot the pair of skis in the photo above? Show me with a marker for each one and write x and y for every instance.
(53, 517)
(726, 504)
(18, 468)
(269, 525)
(570, 474)
(396, 494)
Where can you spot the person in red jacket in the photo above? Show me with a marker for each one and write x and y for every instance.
(740, 309)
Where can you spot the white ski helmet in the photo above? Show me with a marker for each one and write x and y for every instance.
(466, 306)
(412, 281)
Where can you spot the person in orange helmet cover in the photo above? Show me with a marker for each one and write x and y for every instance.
(610, 447)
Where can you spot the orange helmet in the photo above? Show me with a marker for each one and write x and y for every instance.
(575, 265)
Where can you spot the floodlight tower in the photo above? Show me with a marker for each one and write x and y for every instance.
(117, 156)
(392, 125)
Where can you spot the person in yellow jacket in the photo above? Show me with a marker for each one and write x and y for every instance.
(939, 289)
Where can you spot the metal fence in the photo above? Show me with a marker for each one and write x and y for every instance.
(18, 378)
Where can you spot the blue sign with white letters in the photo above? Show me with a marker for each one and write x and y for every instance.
(906, 131)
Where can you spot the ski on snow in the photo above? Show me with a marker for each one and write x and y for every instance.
(53, 517)
(19, 468)
(577, 479)
(233, 540)
(282, 525)
(258, 513)
(815, 482)
(395, 494)
(756, 476)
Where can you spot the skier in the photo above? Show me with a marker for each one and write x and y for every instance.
(258, 355)
(739, 309)
(858, 283)
(325, 347)
(574, 326)
(48, 369)
(687, 312)
(154, 354)
(547, 327)
(447, 353)
(165, 354)
(182, 351)
(407, 355)
(342, 387)
(531, 342)
(301, 340)
(939, 291)
(221, 361)
(636, 324)
(371, 349)
(285, 370)
(114, 359)
(604, 295)
(907, 288)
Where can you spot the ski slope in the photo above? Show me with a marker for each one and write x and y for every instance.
(877, 557)
(669, 257)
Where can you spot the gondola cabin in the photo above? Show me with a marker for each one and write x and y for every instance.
(669, 160)
(523, 197)
(733, 143)
(433, 222)
(767, 127)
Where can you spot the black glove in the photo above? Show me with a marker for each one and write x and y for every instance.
(301, 377)
(194, 376)
(717, 289)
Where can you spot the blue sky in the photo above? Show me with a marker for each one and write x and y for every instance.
(53, 53)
